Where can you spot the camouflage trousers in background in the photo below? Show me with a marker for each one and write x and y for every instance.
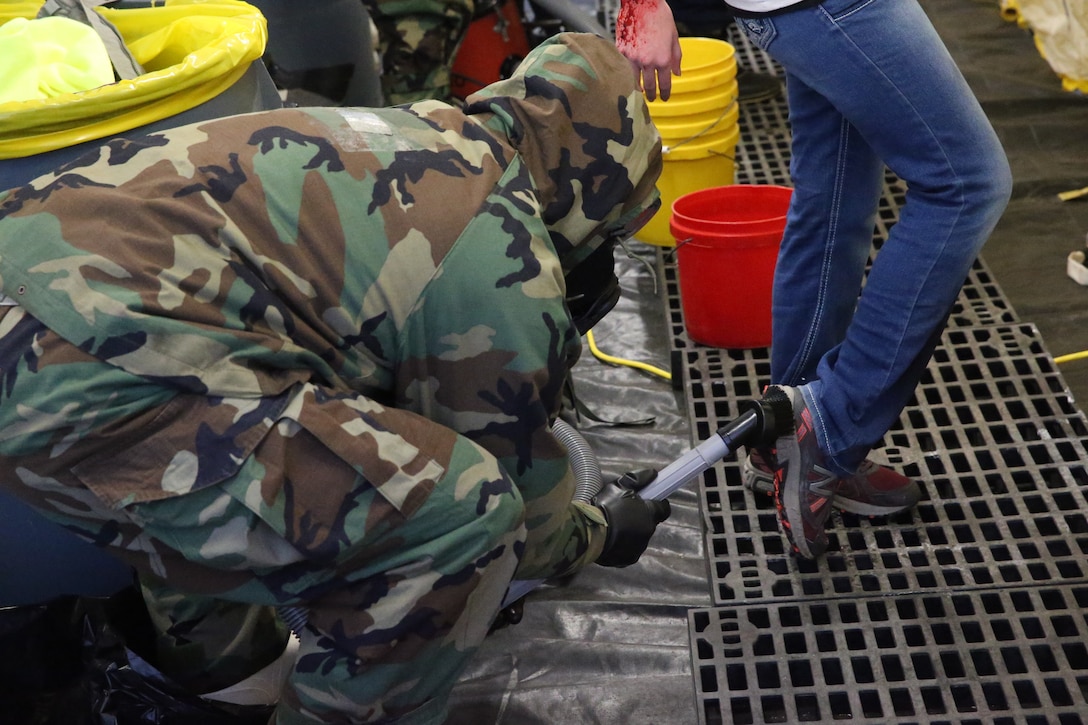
(397, 602)
(417, 41)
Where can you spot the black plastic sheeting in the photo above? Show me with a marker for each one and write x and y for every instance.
(71, 661)
(610, 646)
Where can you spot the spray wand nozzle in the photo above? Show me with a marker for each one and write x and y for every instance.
(759, 424)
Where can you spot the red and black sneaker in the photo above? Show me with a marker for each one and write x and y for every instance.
(873, 490)
(803, 485)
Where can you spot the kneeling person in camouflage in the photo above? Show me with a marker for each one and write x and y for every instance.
(310, 358)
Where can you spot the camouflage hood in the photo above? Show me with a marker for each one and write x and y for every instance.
(575, 116)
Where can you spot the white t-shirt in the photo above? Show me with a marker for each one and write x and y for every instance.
(760, 7)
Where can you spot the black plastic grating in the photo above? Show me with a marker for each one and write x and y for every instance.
(981, 301)
(1019, 517)
(991, 436)
(986, 386)
(763, 150)
(1017, 655)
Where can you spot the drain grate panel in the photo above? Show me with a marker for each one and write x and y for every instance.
(1001, 525)
(1017, 655)
(1001, 459)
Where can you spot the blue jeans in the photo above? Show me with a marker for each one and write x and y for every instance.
(870, 84)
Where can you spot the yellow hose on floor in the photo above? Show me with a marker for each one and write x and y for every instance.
(1071, 357)
(622, 361)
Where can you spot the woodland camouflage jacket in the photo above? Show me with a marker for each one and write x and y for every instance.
(410, 256)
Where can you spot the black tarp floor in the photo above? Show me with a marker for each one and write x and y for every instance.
(974, 608)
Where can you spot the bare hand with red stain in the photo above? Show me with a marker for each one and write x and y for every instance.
(646, 35)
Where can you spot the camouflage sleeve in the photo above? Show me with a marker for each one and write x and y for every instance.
(486, 352)
(64, 413)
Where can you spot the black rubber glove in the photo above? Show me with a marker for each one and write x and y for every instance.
(631, 520)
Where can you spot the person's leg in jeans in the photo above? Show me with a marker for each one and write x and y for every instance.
(822, 258)
(837, 181)
(874, 75)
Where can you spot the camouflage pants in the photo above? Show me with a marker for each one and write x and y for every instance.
(397, 602)
(417, 41)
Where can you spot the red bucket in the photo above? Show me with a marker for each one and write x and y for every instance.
(727, 241)
(739, 207)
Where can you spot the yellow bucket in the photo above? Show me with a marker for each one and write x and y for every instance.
(698, 127)
(678, 129)
(688, 168)
(695, 103)
(684, 85)
(700, 55)
(706, 63)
